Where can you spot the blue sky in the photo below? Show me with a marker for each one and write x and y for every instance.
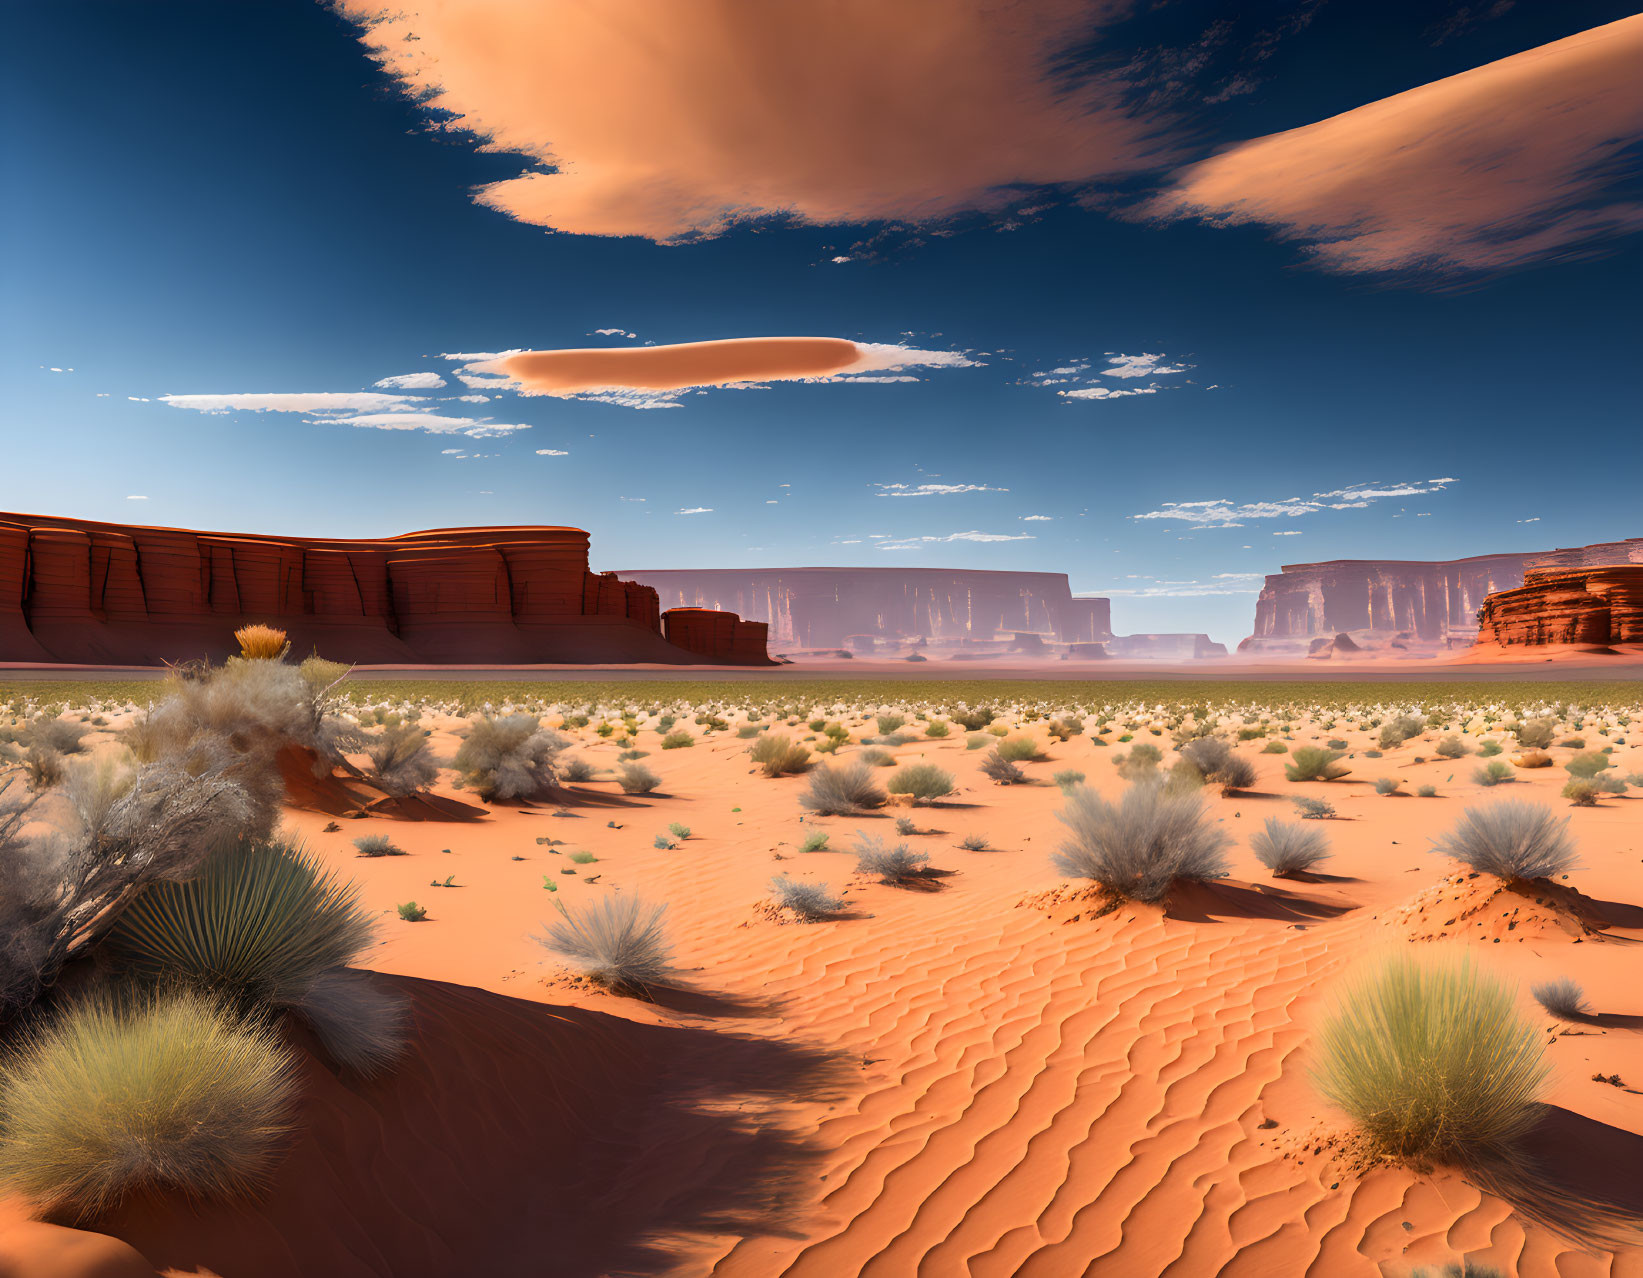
(237, 201)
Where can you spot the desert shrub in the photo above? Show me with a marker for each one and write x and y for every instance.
(618, 941)
(1386, 785)
(576, 770)
(1427, 792)
(1588, 765)
(974, 843)
(1001, 769)
(513, 757)
(1529, 759)
(361, 1025)
(876, 758)
(1536, 734)
(841, 789)
(411, 912)
(1459, 1269)
(1215, 761)
(972, 720)
(980, 741)
(1582, 792)
(906, 826)
(818, 725)
(1512, 840)
(815, 841)
(258, 925)
(891, 865)
(1493, 773)
(401, 762)
(663, 843)
(1139, 846)
(377, 845)
(1313, 809)
(262, 643)
(1573, 743)
(628, 756)
(936, 728)
(118, 829)
(679, 830)
(1138, 762)
(680, 740)
(748, 731)
(636, 778)
(1432, 1061)
(888, 723)
(1563, 999)
(1289, 848)
(1452, 747)
(50, 734)
(1310, 763)
(1274, 747)
(664, 723)
(1018, 749)
(163, 1092)
(1335, 743)
(924, 781)
(1403, 728)
(1488, 748)
(779, 755)
(810, 901)
(1067, 778)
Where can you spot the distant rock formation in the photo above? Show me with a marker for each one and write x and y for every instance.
(1379, 603)
(839, 607)
(1594, 606)
(721, 637)
(1168, 647)
(75, 591)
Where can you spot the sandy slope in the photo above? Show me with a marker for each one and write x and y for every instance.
(982, 1077)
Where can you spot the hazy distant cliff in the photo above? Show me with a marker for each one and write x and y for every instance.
(1387, 600)
(823, 607)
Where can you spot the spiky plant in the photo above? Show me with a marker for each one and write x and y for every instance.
(1288, 848)
(1512, 840)
(810, 901)
(924, 781)
(1137, 848)
(841, 789)
(895, 864)
(258, 925)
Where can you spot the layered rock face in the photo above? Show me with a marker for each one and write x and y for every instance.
(75, 591)
(1599, 606)
(1381, 602)
(831, 607)
(719, 636)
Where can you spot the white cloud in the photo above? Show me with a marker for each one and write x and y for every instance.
(631, 499)
(473, 399)
(296, 402)
(632, 398)
(450, 452)
(1143, 365)
(1534, 520)
(615, 332)
(695, 510)
(840, 259)
(433, 423)
(1221, 513)
(139, 399)
(411, 381)
(912, 543)
(1037, 519)
(1106, 392)
(1292, 532)
(136, 497)
(551, 452)
(933, 490)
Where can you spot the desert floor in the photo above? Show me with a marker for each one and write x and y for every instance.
(981, 1075)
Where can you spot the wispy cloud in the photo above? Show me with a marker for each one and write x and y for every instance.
(293, 402)
(551, 452)
(1107, 392)
(933, 490)
(433, 423)
(1037, 519)
(695, 510)
(1082, 379)
(1143, 365)
(1221, 583)
(915, 543)
(411, 381)
(1222, 513)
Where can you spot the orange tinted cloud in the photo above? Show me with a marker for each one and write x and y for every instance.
(1498, 166)
(733, 361)
(672, 118)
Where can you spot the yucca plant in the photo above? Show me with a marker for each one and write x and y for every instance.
(1432, 1061)
(262, 643)
(169, 1091)
(258, 925)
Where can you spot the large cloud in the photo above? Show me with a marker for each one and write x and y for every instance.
(652, 373)
(1505, 164)
(667, 119)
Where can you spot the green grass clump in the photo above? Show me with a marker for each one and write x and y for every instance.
(815, 841)
(678, 741)
(1493, 773)
(1432, 1061)
(411, 912)
(258, 924)
(1067, 778)
(924, 781)
(1274, 747)
(163, 1092)
(1018, 750)
(1310, 763)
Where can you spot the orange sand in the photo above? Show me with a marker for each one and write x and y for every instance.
(983, 1077)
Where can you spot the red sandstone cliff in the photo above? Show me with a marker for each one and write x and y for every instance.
(1379, 602)
(75, 591)
(1599, 606)
(827, 607)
